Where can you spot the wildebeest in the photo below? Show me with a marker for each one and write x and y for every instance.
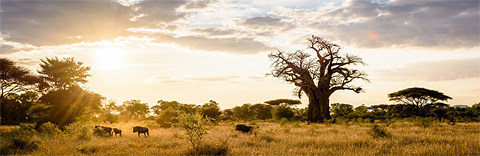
(117, 131)
(243, 128)
(140, 129)
(103, 130)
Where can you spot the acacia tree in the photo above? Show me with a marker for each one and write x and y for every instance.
(63, 73)
(135, 109)
(277, 102)
(319, 76)
(15, 79)
(418, 97)
(64, 97)
(210, 110)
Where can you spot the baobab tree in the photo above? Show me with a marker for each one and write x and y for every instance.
(319, 76)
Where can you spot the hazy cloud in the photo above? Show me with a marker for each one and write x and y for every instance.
(163, 79)
(43, 23)
(440, 24)
(214, 31)
(266, 23)
(50, 23)
(213, 78)
(155, 11)
(436, 70)
(7, 49)
(233, 45)
(198, 4)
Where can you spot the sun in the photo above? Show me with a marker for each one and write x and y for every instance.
(109, 58)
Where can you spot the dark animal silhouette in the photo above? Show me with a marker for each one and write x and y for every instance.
(107, 130)
(117, 131)
(140, 129)
(244, 128)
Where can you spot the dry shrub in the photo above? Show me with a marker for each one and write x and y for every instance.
(21, 141)
(49, 129)
(79, 131)
(377, 132)
(209, 149)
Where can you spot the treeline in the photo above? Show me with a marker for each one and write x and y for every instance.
(56, 94)
(165, 113)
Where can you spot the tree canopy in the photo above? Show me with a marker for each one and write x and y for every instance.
(418, 97)
(63, 73)
(276, 102)
(15, 79)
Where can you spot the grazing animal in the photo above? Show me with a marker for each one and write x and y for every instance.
(107, 130)
(244, 128)
(140, 129)
(117, 131)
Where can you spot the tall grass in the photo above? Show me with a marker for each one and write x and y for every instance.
(405, 138)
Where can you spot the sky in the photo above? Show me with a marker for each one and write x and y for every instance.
(199, 50)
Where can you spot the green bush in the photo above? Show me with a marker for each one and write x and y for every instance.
(377, 131)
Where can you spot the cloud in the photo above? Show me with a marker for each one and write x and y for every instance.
(198, 4)
(50, 23)
(441, 70)
(163, 79)
(47, 23)
(266, 23)
(163, 11)
(7, 49)
(213, 78)
(215, 31)
(431, 24)
(232, 45)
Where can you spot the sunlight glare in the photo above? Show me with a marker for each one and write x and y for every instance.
(109, 58)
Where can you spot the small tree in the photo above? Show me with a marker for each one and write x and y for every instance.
(283, 111)
(210, 110)
(418, 97)
(167, 117)
(340, 109)
(262, 111)
(135, 109)
(195, 127)
(244, 112)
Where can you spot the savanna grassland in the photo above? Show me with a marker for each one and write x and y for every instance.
(286, 138)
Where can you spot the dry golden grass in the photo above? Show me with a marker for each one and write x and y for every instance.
(404, 138)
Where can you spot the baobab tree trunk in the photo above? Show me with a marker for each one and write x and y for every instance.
(318, 107)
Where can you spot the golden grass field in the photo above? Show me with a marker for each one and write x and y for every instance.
(405, 138)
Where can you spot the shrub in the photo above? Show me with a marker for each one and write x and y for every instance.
(87, 149)
(79, 131)
(195, 127)
(209, 149)
(20, 141)
(377, 131)
(425, 122)
(27, 126)
(49, 129)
